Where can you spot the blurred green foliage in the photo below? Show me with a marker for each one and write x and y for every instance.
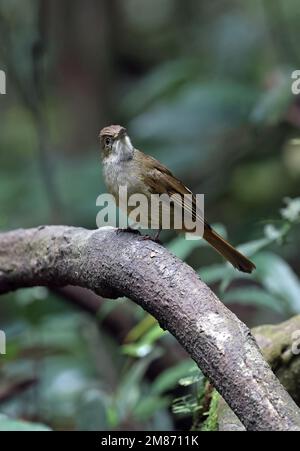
(203, 86)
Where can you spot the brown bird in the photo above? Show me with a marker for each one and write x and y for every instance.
(123, 165)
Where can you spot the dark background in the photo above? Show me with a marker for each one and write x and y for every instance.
(205, 87)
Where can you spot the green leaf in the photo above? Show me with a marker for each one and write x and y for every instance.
(252, 247)
(213, 273)
(137, 350)
(195, 376)
(225, 273)
(140, 329)
(254, 296)
(279, 279)
(211, 423)
(292, 210)
(144, 346)
(169, 378)
(8, 424)
(147, 407)
(129, 392)
(185, 405)
(183, 248)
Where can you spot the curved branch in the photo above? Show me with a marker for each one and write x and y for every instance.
(276, 343)
(113, 263)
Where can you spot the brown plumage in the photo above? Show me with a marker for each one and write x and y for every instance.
(123, 164)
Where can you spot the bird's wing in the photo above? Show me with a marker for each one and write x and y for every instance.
(160, 180)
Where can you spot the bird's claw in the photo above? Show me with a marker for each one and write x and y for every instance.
(151, 238)
(128, 230)
(137, 232)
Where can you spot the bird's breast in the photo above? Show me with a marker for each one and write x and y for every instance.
(128, 174)
(123, 174)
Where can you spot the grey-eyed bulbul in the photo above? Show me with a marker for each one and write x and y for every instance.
(123, 165)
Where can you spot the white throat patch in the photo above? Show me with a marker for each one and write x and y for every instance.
(123, 149)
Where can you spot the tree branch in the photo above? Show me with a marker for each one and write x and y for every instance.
(280, 347)
(276, 343)
(114, 263)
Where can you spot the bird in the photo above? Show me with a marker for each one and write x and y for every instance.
(124, 165)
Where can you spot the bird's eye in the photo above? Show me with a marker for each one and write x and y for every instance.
(108, 141)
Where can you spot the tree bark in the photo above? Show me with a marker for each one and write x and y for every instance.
(114, 263)
(280, 347)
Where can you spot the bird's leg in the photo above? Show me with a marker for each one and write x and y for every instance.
(129, 230)
(156, 236)
(153, 238)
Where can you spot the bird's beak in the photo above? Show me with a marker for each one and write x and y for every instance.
(123, 143)
(122, 133)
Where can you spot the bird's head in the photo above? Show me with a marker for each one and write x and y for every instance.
(115, 143)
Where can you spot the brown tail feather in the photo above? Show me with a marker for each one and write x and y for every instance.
(237, 259)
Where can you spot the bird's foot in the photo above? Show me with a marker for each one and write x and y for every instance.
(154, 238)
(129, 230)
